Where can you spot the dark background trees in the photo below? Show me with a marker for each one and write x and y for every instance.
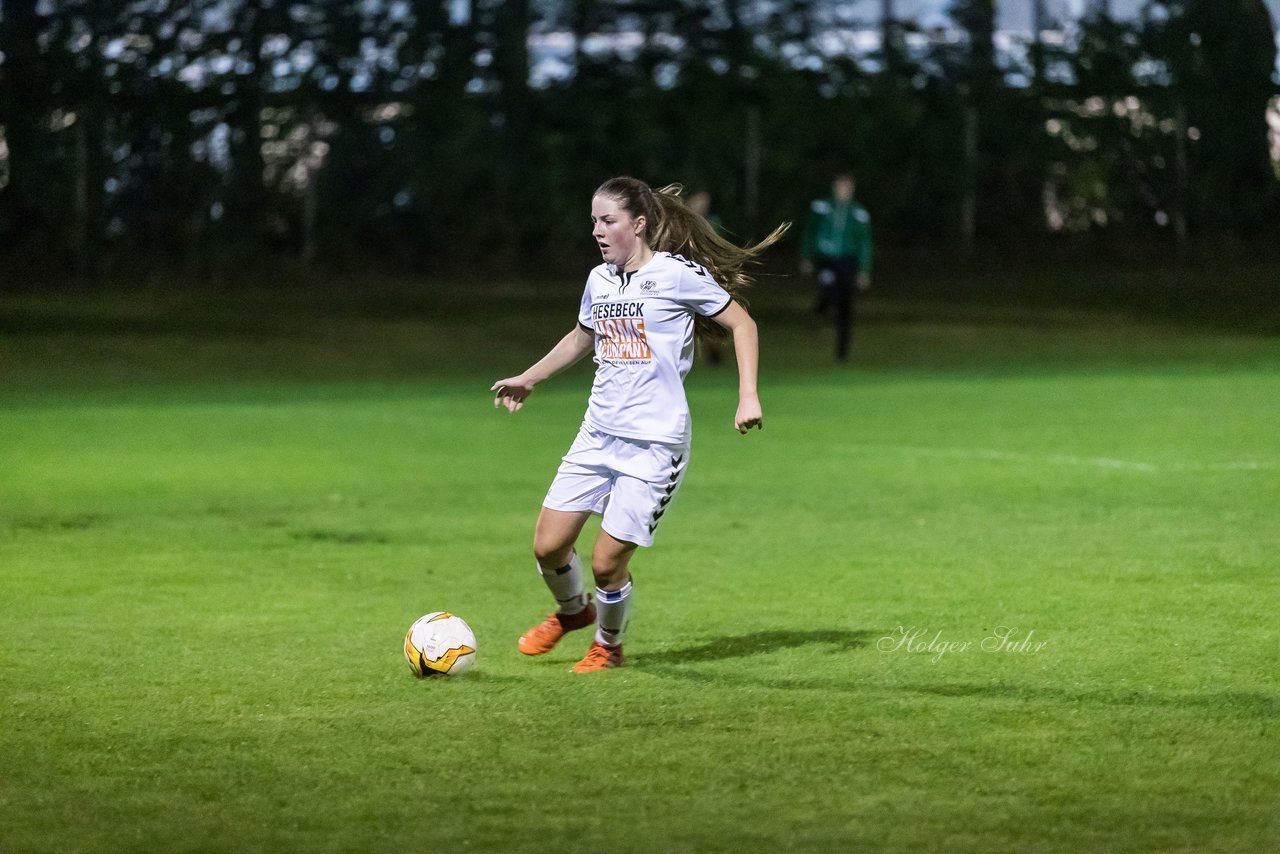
(206, 135)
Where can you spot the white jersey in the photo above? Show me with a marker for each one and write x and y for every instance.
(643, 327)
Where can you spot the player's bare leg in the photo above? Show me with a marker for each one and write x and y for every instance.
(555, 534)
(609, 562)
(561, 569)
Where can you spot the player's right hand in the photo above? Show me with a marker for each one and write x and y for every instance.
(511, 392)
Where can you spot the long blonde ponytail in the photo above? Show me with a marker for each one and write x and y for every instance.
(673, 227)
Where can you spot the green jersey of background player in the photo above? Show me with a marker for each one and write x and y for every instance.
(836, 248)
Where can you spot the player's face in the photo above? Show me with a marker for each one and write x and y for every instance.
(617, 233)
(843, 189)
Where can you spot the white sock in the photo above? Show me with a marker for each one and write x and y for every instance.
(565, 583)
(612, 614)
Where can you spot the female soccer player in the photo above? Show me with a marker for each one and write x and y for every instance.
(638, 313)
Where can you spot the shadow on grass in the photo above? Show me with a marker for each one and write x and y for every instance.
(346, 538)
(755, 643)
(1234, 704)
(71, 522)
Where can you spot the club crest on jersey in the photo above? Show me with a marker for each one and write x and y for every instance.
(648, 286)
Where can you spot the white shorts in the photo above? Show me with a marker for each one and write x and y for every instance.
(629, 482)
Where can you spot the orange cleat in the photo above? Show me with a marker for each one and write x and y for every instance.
(544, 636)
(599, 657)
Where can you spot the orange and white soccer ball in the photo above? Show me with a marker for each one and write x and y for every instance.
(440, 644)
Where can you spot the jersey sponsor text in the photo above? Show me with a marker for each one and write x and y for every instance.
(622, 340)
(602, 311)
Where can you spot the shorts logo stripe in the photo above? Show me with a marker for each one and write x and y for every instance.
(669, 490)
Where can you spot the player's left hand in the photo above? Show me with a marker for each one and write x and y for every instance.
(864, 281)
(748, 415)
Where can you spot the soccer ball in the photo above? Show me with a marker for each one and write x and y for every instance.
(440, 644)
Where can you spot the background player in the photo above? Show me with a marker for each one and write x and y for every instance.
(837, 250)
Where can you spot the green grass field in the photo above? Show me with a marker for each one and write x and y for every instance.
(219, 515)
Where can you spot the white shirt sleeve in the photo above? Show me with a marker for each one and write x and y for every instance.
(701, 293)
(584, 310)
